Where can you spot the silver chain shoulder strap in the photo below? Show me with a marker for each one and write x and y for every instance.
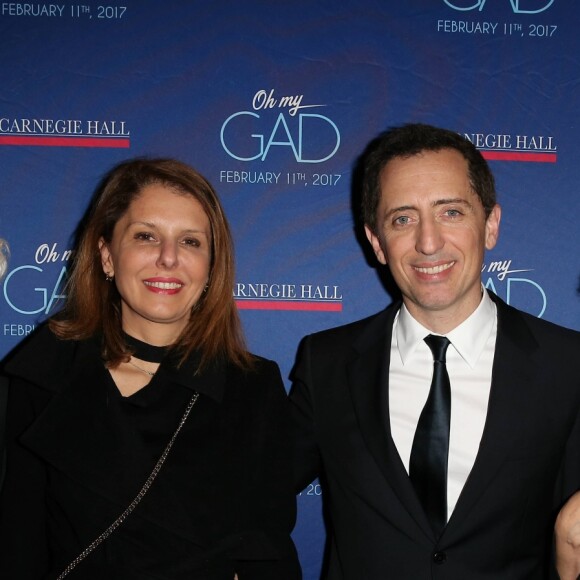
(137, 499)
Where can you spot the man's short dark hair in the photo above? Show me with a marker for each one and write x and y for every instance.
(412, 139)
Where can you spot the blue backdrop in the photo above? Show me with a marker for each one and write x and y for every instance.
(274, 102)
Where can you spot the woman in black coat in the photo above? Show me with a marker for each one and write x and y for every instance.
(144, 441)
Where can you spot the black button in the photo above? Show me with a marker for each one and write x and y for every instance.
(439, 557)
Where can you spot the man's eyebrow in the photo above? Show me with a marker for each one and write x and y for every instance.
(438, 202)
(398, 209)
(459, 200)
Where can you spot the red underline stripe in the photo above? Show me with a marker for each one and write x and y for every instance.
(288, 305)
(110, 142)
(520, 156)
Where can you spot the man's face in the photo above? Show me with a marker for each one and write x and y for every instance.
(432, 232)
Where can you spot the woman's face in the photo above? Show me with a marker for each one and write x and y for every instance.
(159, 257)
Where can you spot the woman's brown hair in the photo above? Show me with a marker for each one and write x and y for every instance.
(93, 304)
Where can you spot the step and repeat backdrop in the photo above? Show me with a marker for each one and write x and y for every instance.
(274, 101)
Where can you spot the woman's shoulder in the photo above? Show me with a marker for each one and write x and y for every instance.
(260, 369)
(262, 364)
(261, 382)
(43, 358)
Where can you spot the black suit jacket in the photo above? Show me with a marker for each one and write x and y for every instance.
(223, 500)
(528, 461)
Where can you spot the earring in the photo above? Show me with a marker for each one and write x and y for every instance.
(108, 277)
(205, 288)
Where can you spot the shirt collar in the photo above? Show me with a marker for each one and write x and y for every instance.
(468, 339)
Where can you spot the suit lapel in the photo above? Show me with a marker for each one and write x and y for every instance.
(512, 376)
(368, 380)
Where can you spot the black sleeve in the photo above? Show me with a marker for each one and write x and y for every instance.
(270, 513)
(24, 552)
(306, 456)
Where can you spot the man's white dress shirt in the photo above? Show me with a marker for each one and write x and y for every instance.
(469, 364)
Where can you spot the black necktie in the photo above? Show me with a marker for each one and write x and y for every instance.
(428, 464)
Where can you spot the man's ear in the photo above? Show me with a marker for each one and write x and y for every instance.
(376, 244)
(492, 227)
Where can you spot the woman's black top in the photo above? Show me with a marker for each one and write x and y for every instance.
(79, 452)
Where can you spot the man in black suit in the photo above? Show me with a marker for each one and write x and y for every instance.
(445, 428)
